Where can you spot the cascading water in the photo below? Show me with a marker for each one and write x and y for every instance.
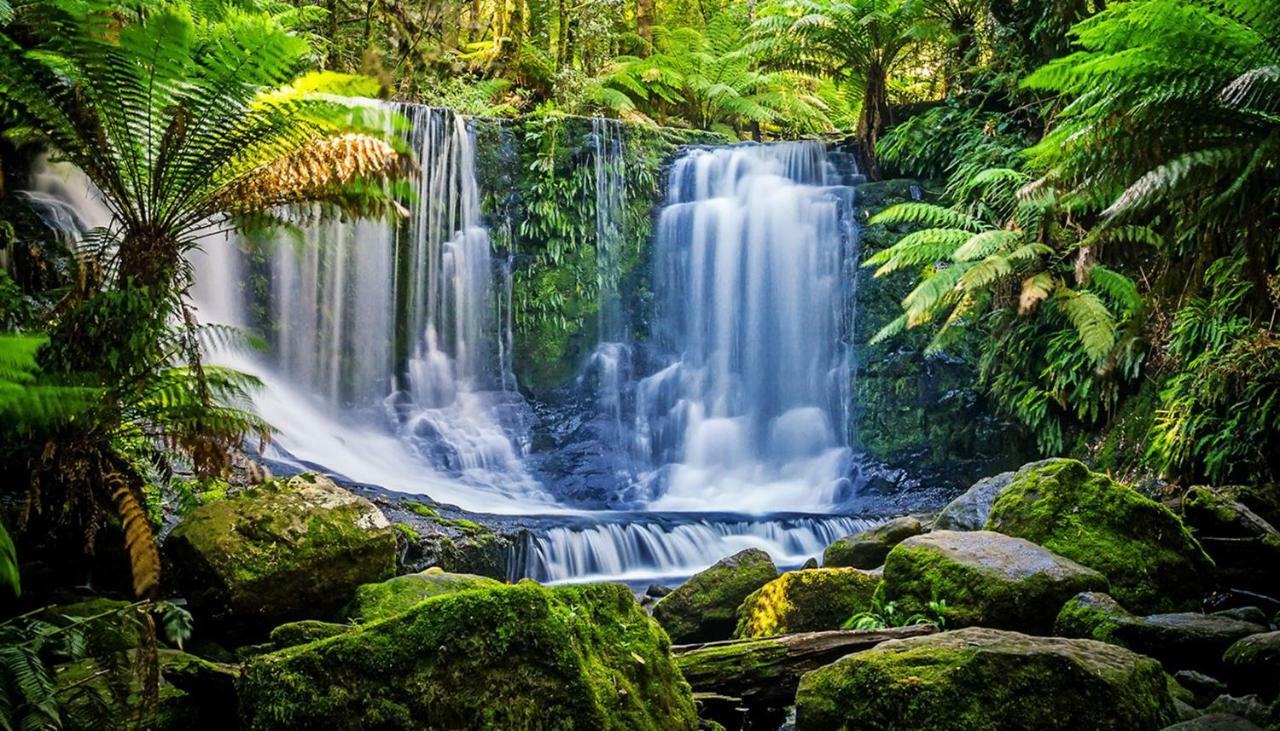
(753, 257)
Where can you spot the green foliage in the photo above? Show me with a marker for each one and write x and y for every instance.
(883, 614)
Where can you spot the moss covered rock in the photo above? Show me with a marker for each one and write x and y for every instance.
(970, 510)
(1244, 546)
(1179, 640)
(705, 607)
(284, 550)
(307, 630)
(806, 601)
(522, 656)
(987, 679)
(395, 596)
(1151, 560)
(867, 550)
(985, 579)
(1254, 663)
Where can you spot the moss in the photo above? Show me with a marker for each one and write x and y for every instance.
(1093, 616)
(283, 550)
(395, 596)
(308, 630)
(705, 607)
(1151, 560)
(868, 549)
(523, 656)
(420, 509)
(806, 600)
(108, 625)
(985, 679)
(193, 693)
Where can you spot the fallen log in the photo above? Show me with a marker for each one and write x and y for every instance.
(766, 671)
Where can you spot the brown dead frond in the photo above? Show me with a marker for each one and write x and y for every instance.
(144, 558)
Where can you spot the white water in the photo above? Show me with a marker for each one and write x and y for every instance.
(752, 256)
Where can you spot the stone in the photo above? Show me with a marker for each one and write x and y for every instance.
(1151, 560)
(810, 563)
(705, 607)
(657, 591)
(394, 596)
(514, 656)
(1249, 707)
(307, 630)
(284, 550)
(808, 600)
(1244, 546)
(985, 578)
(1214, 722)
(1180, 640)
(867, 550)
(970, 510)
(1245, 614)
(1254, 663)
(1202, 687)
(979, 678)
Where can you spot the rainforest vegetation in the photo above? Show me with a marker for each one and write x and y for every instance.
(1096, 236)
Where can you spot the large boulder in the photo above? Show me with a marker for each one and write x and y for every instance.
(285, 550)
(1254, 663)
(522, 656)
(985, 579)
(981, 678)
(705, 607)
(970, 510)
(1151, 560)
(806, 601)
(1244, 546)
(395, 596)
(1180, 640)
(867, 549)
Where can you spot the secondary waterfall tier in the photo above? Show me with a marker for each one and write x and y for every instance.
(754, 261)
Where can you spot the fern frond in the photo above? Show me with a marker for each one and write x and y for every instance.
(144, 557)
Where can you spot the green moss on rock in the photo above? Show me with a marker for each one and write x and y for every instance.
(1092, 615)
(985, 579)
(522, 656)
(307, 630)
(705, 608)
(395, 596)
(987, 679)
(868, 549)
(1151, 560)
(284, 550)
(806, 601)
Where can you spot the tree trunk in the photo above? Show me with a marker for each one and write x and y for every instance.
(644, 20)
(871, 123)
(765, 672)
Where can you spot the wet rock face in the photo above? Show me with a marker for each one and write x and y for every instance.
(1179, 640)
(1151, 560)
(522, 656)
(284, 550)
(704, 608)
(985, 579)
(983, 678)
(868, 549)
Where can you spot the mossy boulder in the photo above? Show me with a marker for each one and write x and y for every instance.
(705, 607)
(867, 549)
(1254, 663)
(1151, 560)
(522, 656)
(307, 630)
(394, 596)
(285, 550)
(982, 678)
(806, 601)
(1244, 546)
(1179, 640)
(985, 579)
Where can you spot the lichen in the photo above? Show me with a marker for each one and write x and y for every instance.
(522, 656)
(1151, 560)
(806, 600)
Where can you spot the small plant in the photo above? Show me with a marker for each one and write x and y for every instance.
(883, 614)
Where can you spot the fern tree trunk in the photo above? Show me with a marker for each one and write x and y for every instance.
(644, 20)
(874, 117)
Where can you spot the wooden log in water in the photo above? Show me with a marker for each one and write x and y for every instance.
(766, 671)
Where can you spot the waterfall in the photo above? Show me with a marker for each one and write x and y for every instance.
(665, 548)
(753, 256)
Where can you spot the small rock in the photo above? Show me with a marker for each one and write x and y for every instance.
(1254, 663)
(1243, 545)
(658, 591)
(1214, 722)
(1245, 614)
(395, 596)
(811, 563)
(1248, 707)
(308, 630)
(808, 600)
(985, 579)
(1205, 688)
(867, 550)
